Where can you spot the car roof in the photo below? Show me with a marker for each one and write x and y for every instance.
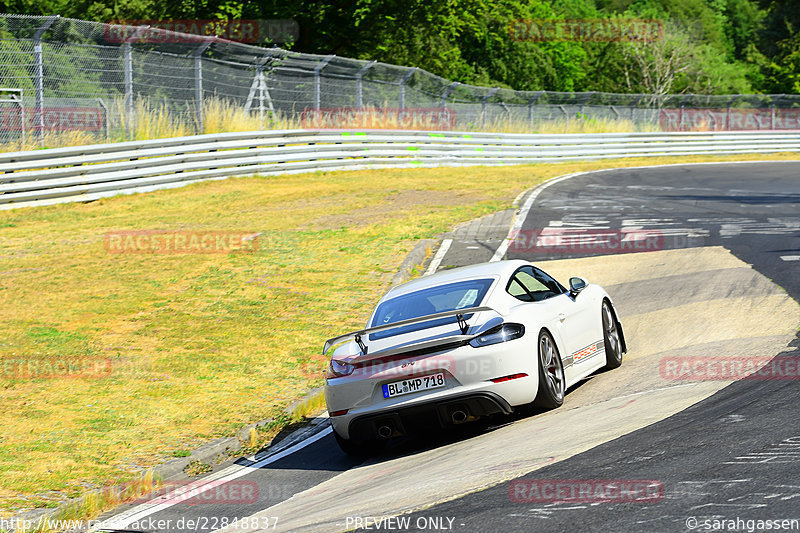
(477, 271)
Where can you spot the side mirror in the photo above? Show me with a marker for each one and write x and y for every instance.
(576, 285)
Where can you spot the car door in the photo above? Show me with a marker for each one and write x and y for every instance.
(551, 300)
(580, 325)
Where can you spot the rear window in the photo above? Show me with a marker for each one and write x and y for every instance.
(450, 297)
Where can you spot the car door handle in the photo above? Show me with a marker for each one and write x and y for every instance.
(562, 317)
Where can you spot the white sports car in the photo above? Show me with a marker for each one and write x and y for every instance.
(465, 343)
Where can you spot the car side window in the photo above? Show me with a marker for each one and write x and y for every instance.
(519, 292)
(531, 284)
(547, 280)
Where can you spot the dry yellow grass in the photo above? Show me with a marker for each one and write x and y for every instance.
(574, 125)
(200, 345)
(153, 119)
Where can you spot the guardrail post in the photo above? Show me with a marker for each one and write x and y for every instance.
(402, 83)
(446, 93)
(483, 103)
(317, 72)
(105, 112)
(38, 61)
(198, 81)
(359, 84)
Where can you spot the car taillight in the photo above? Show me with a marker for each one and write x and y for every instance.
(509, 378)
(501, 333)
(338, 369)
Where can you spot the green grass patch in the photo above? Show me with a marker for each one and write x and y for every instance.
(201, 344)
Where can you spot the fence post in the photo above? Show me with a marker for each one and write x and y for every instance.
(16, 98)
(635, 105)
(317, 71)
(446, 93)
(566, 113)
(198, 81)
(22, 121)
(359, 84)
(38, 60)
(530, 106)
(483, 103)
(402, 82)
(586, 97)
(127, 61)
(105, 112)
(772, 112)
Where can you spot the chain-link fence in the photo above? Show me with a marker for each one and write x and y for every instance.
(60, 74)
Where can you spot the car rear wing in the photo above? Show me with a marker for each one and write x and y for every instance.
(356, 335)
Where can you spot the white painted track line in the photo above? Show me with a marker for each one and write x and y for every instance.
(437, 259)
(523, 214)
(124, 520)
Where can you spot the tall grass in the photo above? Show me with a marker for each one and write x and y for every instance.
(153, 119)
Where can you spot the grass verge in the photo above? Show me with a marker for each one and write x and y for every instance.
(185, 347)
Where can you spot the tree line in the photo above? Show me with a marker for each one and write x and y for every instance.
(700, 46)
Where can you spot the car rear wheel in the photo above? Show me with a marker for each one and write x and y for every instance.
(611, 337)
(551, 374)
(358, 448)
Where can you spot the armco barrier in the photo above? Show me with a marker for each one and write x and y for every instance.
(83, 173)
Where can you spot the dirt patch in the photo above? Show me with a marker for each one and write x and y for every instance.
(396, 205)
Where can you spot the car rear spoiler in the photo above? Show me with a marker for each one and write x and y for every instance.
(356, 335)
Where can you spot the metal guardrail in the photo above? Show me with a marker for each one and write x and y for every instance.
(85, 173)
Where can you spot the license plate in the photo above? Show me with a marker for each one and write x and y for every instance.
(407, 386)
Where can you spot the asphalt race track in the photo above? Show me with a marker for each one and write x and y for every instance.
(735, 455)
(715, 448)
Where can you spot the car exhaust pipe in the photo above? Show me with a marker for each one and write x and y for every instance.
(385, 432)
(458, 417)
